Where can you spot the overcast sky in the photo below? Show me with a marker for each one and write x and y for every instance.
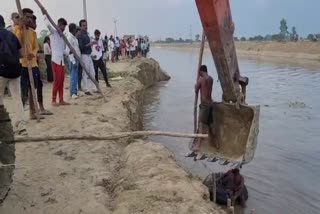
(164, 18)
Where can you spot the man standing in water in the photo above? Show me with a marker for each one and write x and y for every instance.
(205, 85)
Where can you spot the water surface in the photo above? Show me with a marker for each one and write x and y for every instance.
(285, 174)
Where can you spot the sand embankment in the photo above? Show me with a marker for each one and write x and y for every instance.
(294, 50)
(121, 177)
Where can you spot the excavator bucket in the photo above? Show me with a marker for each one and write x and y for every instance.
(234, 134)
(235, 125)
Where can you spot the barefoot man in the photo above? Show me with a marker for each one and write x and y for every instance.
(57, 49)
(204, 85)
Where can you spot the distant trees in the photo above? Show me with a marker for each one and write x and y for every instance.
(276, 37)
(311, 37)
(256, 38)
(169, 40)
(197, 37)
(268, 37)
(283, 36)
(243, 39)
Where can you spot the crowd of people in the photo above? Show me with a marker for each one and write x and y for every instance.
(125, 48)
(18, 51)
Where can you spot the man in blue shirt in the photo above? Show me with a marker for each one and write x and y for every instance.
(85, 44)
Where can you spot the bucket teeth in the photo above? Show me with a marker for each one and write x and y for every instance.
(237, 165)
(201, 157)
(213, 160)
(191, 155)
(223, 162)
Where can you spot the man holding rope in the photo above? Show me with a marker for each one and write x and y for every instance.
(58, 50)
(32, 46)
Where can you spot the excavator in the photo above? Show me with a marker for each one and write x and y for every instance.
(236, 124)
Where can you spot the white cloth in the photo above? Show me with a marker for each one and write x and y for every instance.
(57, 44)
(111, 45)
(135, 43)
(75, 44)
(46, 49)
(15, 90)
(88, 85)
(97, 50)
(117, 43)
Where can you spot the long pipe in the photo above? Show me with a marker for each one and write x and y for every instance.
(26, 52)
(195, 113)
(85, 14)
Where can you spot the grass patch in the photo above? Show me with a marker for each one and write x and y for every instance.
(130, 140)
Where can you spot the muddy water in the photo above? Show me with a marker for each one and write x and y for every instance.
(285, 174)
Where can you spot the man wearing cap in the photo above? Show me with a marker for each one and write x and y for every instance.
(15, 20)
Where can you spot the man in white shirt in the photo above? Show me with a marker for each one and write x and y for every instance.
(57, 48)
(111, 48)
(74, 31)
(97, 56)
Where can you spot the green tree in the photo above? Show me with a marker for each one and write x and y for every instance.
(311, 37)
(258, 38)
(169, 40)
(294, 31)
(236, 39)
(197, 37)
(243, 39)
(283, 29)
(268, 37)
(294, 36)
(276, 37)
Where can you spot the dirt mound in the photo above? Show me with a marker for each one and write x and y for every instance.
(151, 182)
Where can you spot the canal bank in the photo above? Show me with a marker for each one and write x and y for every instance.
(125, 176)
(302, 50)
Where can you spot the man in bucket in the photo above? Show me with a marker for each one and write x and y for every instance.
(205, 85)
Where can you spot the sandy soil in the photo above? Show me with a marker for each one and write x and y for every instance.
(296, 50)
(127, 176)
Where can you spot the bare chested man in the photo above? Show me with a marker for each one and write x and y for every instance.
(204, 85)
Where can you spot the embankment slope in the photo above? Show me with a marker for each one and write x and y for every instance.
(125, 176)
